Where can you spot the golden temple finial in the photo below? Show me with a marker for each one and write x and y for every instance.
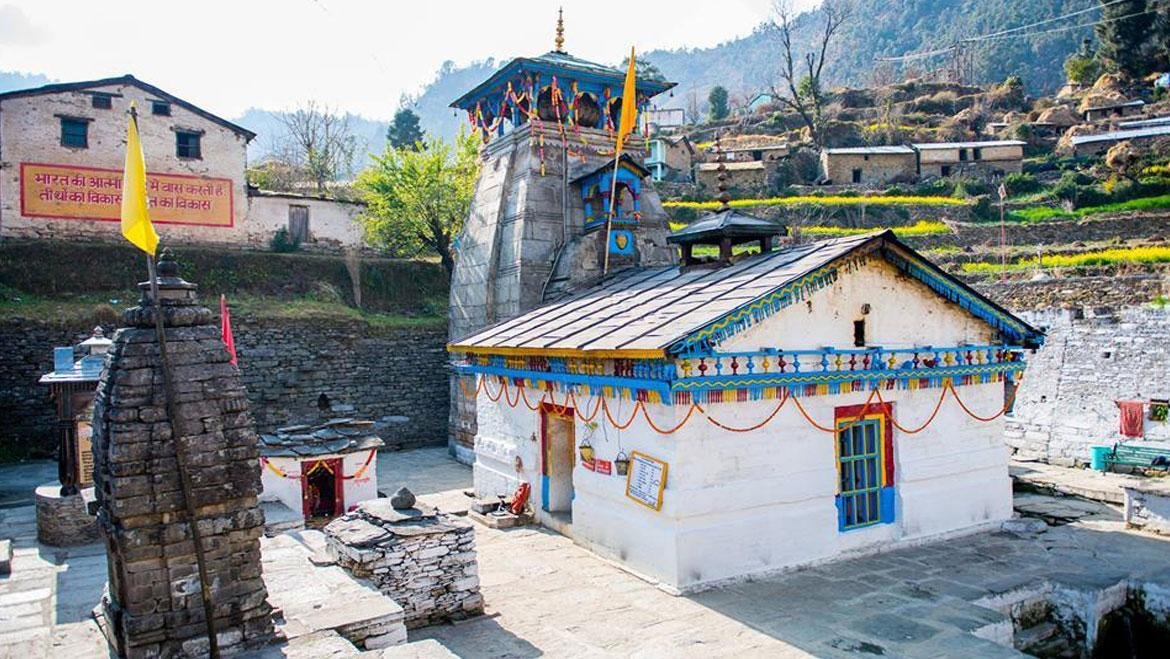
(560, 30)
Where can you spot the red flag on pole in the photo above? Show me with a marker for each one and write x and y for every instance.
(225, 328)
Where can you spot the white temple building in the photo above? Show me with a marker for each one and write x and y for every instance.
(704, 422)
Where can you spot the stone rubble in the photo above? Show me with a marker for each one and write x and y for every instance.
(422, 559)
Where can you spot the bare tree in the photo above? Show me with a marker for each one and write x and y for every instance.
(320, 141)
(799, 87)
(693, 115)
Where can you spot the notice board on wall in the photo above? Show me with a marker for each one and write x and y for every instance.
(646, 480)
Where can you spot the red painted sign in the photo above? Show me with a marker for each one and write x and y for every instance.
(604, 467)
(589, 464)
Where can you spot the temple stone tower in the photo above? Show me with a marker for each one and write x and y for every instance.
(538, 222)
(154, 605)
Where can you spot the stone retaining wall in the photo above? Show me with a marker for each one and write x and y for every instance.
(399, 373)
(1117, 292)
(1066, 401)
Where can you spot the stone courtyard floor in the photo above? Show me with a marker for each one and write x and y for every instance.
(546, 596)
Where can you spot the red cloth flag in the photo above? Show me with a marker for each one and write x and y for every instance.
(1132, 417)
(225, 328)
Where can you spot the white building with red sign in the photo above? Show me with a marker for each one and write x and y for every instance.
(62, 150)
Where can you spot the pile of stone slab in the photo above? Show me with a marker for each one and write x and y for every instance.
(421, 558)
(335, 436)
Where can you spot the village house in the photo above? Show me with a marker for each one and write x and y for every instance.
(671, 158)
(987, 158)
(62, 150)
(1087, 145)
(869, 165)
(742, 175)
(766, 152)
(699, 424)
(1115, 110)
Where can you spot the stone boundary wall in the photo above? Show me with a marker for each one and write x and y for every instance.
(287, 364)
(1066, 404)
(1116, 291)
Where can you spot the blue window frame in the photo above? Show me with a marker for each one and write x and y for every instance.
(866, 493)
(74, 133)
(187, 144)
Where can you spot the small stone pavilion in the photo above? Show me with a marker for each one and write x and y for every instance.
(537, 226)
(703, 422)
(154, 605)
(320, 471)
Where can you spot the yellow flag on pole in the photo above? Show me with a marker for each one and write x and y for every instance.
(136, 226)
(629, 119)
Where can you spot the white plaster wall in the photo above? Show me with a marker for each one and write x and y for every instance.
(765, 500)
(288, 490)
(333, 225)
(30, 132)
(742, 503)
(903, 313)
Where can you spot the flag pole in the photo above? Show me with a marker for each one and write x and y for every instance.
(612, 207)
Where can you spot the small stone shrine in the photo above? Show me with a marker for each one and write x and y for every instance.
(320, 471)
(154, 606)
(417, 556)
(63, 515)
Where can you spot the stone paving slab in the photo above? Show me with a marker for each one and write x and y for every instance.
(1106, 487)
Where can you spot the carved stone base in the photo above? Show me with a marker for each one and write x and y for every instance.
(63, 521)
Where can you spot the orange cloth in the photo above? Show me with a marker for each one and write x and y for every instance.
(1132, 417)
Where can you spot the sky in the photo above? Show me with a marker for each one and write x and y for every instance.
(353, 55)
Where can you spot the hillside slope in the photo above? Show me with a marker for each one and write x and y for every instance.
(879, 28)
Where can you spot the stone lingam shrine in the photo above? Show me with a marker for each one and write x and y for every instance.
(153, 477)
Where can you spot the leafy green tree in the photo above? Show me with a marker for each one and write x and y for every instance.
(404, 130)
(718, 102)
(417, 198)
(1127, 37)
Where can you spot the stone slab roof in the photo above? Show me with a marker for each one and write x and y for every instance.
(334, 437)
(929, 146)
(870, 150)
(642, 313)
(1119, 135)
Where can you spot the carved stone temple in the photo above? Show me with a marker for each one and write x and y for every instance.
(154, 605)
(538, 222)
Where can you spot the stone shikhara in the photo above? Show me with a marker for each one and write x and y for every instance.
(153, 605)
(422, 559)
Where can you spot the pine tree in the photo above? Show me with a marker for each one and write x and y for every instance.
(404, 131)
(1125, 45)
(718, 100)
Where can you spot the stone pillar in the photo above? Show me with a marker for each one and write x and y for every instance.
(153, 605)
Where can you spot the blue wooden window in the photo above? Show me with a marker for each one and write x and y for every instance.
(74, 133)
(865, 498)
(161, 108)
(102, 101)
(187, 144)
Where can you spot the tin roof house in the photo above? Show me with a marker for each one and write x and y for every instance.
(702, 422)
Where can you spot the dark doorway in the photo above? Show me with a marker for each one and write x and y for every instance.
(857, 176)
(321, 488)
(298, 223)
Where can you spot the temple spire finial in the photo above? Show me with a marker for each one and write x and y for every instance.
(560, 42)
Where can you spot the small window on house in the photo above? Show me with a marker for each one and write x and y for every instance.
(945, 170)
(74, 133)
(102, 101)
(864, 495)
(962, 155)
(977, 154)
(859, 333)
(298, 223)
(857, 176)
(187, 144)
(160, 108)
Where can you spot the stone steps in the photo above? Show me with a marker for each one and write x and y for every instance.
(1042, 640)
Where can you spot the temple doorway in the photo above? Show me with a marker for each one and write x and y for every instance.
(321, 489)
(557, 451)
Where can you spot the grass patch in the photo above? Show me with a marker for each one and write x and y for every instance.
(1115, 256)
(1046, 213)
(920, 228)
(106, 308)
(828, 200)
